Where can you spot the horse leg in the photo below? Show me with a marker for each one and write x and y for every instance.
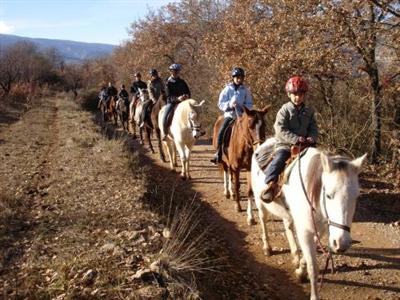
(236, 194)
(262, 214)
(187, 150)
(141, 136)
(227, 185)
(170, 154)
(308, 246)
(250, 217)
(160, 146)
(174, 155)
(148, 135)
(182, 155)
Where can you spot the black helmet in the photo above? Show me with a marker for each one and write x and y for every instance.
(137, 74)
(153, 72)
(237, 72)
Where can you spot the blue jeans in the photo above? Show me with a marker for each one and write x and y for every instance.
(169, 107)
(277, 165)
(221, 131)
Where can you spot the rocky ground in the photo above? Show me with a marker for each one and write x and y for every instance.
(83, 216)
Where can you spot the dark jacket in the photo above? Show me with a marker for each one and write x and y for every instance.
(123, 94)
(292, 123)
(136, 85)
(176, 87)
(112, 91)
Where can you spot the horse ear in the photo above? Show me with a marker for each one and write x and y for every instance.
(200, 104)
(327, 163)
(265, 109)
(358, 162)
(246, 110)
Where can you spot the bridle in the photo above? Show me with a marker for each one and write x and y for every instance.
(330, 222)
(328, 253)
(193, 126)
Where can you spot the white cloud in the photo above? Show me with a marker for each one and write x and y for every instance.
(4, 28)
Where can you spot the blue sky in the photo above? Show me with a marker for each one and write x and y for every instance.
(100, 21)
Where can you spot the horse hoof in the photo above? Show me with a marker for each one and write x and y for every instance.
(238, 208)
(268, 252)
(251, 222)
(227, 196)
(183, 177)
(301, 276)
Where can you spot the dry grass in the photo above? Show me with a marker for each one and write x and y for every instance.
(87, 228)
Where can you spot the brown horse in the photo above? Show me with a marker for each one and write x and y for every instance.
(112, 109)
(154, 120)
(248, 132)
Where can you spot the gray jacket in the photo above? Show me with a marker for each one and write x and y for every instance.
(291, 123)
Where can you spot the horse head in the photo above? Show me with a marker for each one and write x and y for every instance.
(338, 198)
(143, 95)
(193, 119)
(254, 121)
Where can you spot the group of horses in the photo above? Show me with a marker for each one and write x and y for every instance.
(319, 193)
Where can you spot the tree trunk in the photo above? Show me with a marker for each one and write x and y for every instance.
(376, 115)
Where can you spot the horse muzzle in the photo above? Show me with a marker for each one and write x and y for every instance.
(341, 243)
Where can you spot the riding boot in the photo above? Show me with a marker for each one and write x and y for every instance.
(269, 192)
(217, 156)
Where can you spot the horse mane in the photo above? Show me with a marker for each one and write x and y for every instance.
(314, 174)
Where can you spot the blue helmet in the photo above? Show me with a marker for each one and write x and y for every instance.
(237, 72)
(175, 67)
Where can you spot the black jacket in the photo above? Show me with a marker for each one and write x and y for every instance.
(136, 85)
(176, 87)
(111, 91)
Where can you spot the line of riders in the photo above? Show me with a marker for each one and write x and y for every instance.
(295, 122)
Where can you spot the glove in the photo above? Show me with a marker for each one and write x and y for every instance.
(233, 103)
(310, 140)
(302, 140)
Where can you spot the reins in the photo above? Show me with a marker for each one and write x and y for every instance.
(328, 254)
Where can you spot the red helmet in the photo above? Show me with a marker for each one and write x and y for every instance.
(296, 84)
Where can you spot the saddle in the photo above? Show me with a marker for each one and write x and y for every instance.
(296, 151)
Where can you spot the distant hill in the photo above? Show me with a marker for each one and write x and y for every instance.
(71, 51)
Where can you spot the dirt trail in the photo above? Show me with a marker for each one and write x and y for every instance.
(48, 154)
(370, 269)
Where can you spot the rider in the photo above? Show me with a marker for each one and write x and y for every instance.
(111, 92)
(123, 94)
(103, 96)
(137, 84)
(156, 87)
(295, 124)
(177, 91)
(231, 101)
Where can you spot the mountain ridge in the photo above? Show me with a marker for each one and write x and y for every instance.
(71, 51)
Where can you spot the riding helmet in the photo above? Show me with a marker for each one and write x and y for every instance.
(296, 84)
(236, 72)
(175, 67)
(153, 72)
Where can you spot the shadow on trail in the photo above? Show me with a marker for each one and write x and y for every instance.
(241, 276)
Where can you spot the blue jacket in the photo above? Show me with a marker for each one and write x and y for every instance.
(241, 94)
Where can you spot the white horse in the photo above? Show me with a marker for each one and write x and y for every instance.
(135, 113)
(332, 188)
(184, 130)
(122, 111)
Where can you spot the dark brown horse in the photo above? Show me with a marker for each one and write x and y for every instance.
(248, 131)
(154, 120)
(112, 109)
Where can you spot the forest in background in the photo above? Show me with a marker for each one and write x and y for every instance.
(347, 50)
